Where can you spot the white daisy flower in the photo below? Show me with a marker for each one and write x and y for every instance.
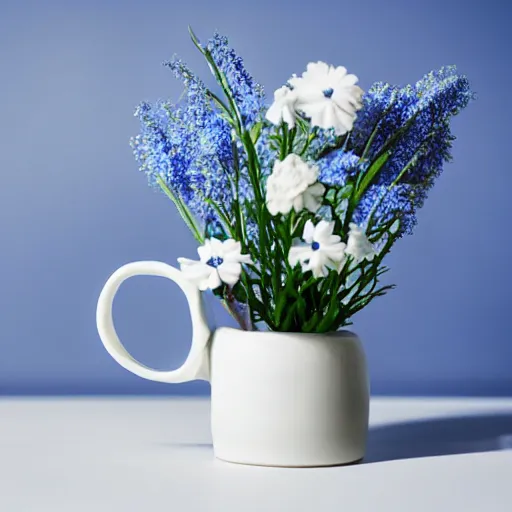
(283, 108)
(321, 251)
(329, 96)
(220, 262)
(293, 184)
(358, 245)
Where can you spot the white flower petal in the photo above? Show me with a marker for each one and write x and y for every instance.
(344, 120)
(309, 232)
(349, 80)
(298, 203)
(214, 280)
(323, 231)
(197, 272)
(323, 250)
(317, 264)
(217, 247)
(230, 272)
(205, 251)
(299, 253)
(229, 263)
(187, 261)
(230, 246)
(313, 197)
(358, 245)
(336, 110)
(288, 115)
(194, 269)
(283, 108)
(334, 252)
(339, 74)
(237, 257)
(343, 102)
(311, 100)
(316, 70)
(274, 113)
(275, 206)
(287, 184)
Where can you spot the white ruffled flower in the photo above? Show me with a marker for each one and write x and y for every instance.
(322, 250)
(220, 262)
(358, 245)
(329, 96)
(283, 108)
(293, 184)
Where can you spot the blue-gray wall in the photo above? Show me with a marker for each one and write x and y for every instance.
(73, 206)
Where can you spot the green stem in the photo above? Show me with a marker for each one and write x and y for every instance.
(221, 79)
(237, 207)
(222, 215)
(375, 130)
(284, 141)
(312, 136)
(412, 161)
(182, 209)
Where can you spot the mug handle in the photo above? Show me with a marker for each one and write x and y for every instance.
(196, 365)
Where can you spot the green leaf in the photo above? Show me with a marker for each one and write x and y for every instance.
(289, 318)
(338, 143)
(195, 40)
(310, 282)
(222, 81)
(186, 215)
(225, 222)
(225, 112)
(331, 194)
(370, 174)
(329, 318)
(240, 292)
(256, 131)
(302, 124)
(310, 325)
(290, 286)
(281, 301)
(346, 192)
(301, 310)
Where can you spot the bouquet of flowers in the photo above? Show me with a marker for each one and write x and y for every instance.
(296, 204)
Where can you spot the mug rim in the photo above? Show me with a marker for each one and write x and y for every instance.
(344, 333)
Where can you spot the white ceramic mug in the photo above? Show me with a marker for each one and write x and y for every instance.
(278, 399)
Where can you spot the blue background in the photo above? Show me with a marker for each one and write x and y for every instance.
(73, 206)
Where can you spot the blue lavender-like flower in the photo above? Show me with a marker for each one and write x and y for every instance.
(376, 112)
(336, 167)
(196, 89)
(248, 95)
(324, 139)
(436, 97)
(447, 90)
(422, 150)
(189, 147)
(380, 203)
(252, 231)
(266, 155)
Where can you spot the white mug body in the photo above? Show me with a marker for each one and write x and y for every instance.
(288, 399)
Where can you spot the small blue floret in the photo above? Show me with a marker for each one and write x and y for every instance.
(215, 261)
(315, 246)
(328, 92)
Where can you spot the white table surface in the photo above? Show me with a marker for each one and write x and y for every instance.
(149, 454)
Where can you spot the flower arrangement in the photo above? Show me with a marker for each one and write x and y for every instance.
(296, 204)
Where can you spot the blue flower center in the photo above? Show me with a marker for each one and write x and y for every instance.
(328, 92)
(215, 261)
(315, 246)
